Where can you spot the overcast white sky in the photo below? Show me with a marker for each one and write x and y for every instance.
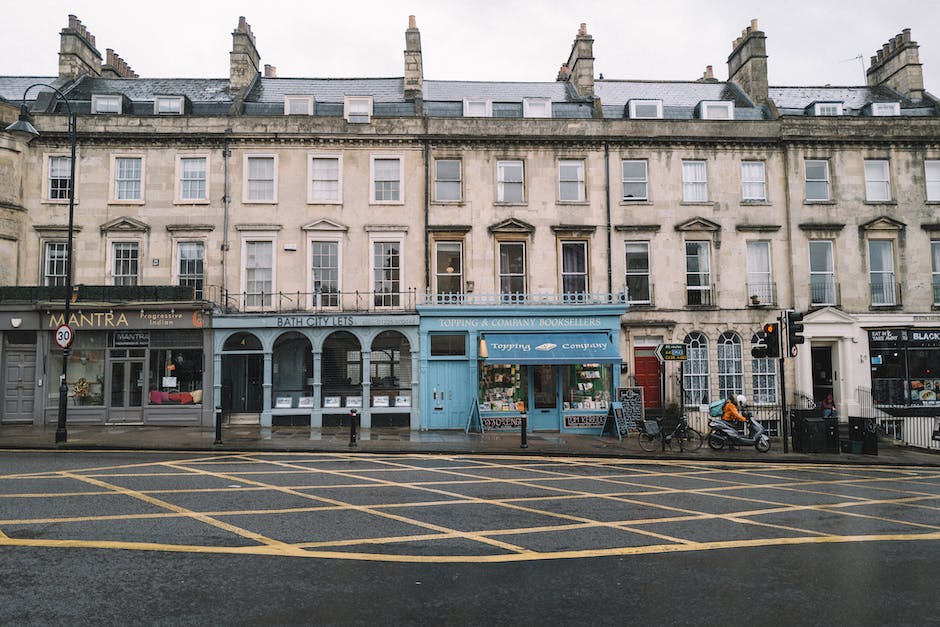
(809, 42)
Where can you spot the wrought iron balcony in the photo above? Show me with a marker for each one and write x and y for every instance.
(885, 291)
(97, 293)
(524, 298)
(277, 302)
(762, 294)
(823, 291)
(699, 296)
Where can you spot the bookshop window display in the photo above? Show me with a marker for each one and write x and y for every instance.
(586, 386)
(505, 388)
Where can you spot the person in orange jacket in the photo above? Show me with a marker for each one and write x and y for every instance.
(730, 410)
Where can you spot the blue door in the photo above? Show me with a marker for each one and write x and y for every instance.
(544, 414)
(449, 394)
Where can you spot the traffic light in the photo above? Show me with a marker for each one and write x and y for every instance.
(759, 345)
(794, 328)
(772, 339)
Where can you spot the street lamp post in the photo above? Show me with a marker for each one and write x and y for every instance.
(24, 130)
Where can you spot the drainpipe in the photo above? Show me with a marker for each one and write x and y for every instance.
(610, 281)
(427, 217)
(226, 155)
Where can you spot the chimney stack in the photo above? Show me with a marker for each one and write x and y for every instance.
(747, 64)
(244, 60)
(708, 76)
(77, 53)
(579, 70)
(897, 66)
(414, 66)
(116, 67)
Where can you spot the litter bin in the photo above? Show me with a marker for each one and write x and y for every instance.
(863, 435)
(832, 434)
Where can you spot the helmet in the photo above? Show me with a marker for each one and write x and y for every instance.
(740, 399)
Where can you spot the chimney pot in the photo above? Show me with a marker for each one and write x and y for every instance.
(754, 24)
(411, 22)
(583, 30)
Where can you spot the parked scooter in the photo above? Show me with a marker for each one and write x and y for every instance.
(724, 434)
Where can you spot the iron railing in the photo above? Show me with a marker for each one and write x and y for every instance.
(824, 291)
(524, 298)
(762, 294)
(97, 293)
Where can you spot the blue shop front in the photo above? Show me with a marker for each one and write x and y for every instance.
(559, 365)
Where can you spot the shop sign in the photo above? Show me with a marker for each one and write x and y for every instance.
(125, 339)
(292, 322)
(584, 421)
(533, 324)
(109, 319)
(502, 423)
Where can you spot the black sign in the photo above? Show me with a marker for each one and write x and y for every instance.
(131, 338)
(632, 400)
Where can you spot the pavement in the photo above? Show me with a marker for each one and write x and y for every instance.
(400, 440)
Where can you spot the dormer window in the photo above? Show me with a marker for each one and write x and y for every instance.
(358, 109)
(536, 108)
(168, 105)
(298, 105)
(827, 108)
(716, 110)
(477, 108)
(645, 109)
(106, 104)
(879, 109)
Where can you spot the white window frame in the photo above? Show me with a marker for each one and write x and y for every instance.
(179, 198)
(567, 273)
(290, 100)
(500, 274)
(579, 180)
(696, 375)
(257, 237)
(647, 274)
(394, 298)
(705, 287)
(763, 379)
(807, 181)
(352, 106)
(60, 246)
(474, 103)
(932, 179)
(438, 180)
(312, 157)
(176, 275)
(113, 183)
(877, 180)
(47, 176)
(633, 180)
(320, 237)
(760, 279)
(753, 188)
(886, 277)
(716, 110)
(935, 270)
(457, 273)
(885, 109)
(501, 168)
(168, 105)
(113, 260)
(827, 109)
(694, 180)
(634, 114)
(729, 351)
(401, 179)
(100, 104)
(536, 107)
(246, 180)
(822, 281)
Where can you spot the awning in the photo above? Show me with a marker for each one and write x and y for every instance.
(549, 348)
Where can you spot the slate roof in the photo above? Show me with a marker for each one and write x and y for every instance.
(12, 87)
(457, 91)
(273, 90)
(795, 100)
(213, 90)
(673, 94)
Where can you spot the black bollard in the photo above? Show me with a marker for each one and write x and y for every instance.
(218, 426)
(525, 427)
(353, 421)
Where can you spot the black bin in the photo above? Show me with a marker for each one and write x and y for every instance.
(832, 435)
(864, 430)
(803, 436)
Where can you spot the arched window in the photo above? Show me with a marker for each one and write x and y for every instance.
(763, 378)
(695, 381)
(730, 365)
(390, 366)
(242, 342)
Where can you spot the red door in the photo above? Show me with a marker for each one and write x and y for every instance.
(648, 376)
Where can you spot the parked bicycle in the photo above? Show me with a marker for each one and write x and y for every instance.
(651, 433)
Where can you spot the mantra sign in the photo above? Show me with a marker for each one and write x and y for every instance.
(127, 319)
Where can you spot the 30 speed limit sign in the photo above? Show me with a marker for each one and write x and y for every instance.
(64, 336)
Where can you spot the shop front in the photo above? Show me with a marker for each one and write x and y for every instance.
(140, 366)
(557, 365)
(905, 368)
(314, 370)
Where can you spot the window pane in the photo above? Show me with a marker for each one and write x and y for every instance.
(387, 273)
(325, 179)
(574, 267)
(259, 274)
(694, 185)
(753, 185)
(932, 172)
(261, 178)
(634, 180)
(387, 179)
(127, 179)
(877, 185)
(512, 267)
(192, 260)
(571, 180)
(325, 271)
(449, 268)
(510, 180)
(60, 176)
(637, 275)
(447, 180)
(56, 263)
(193, 178)
(125, 263)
